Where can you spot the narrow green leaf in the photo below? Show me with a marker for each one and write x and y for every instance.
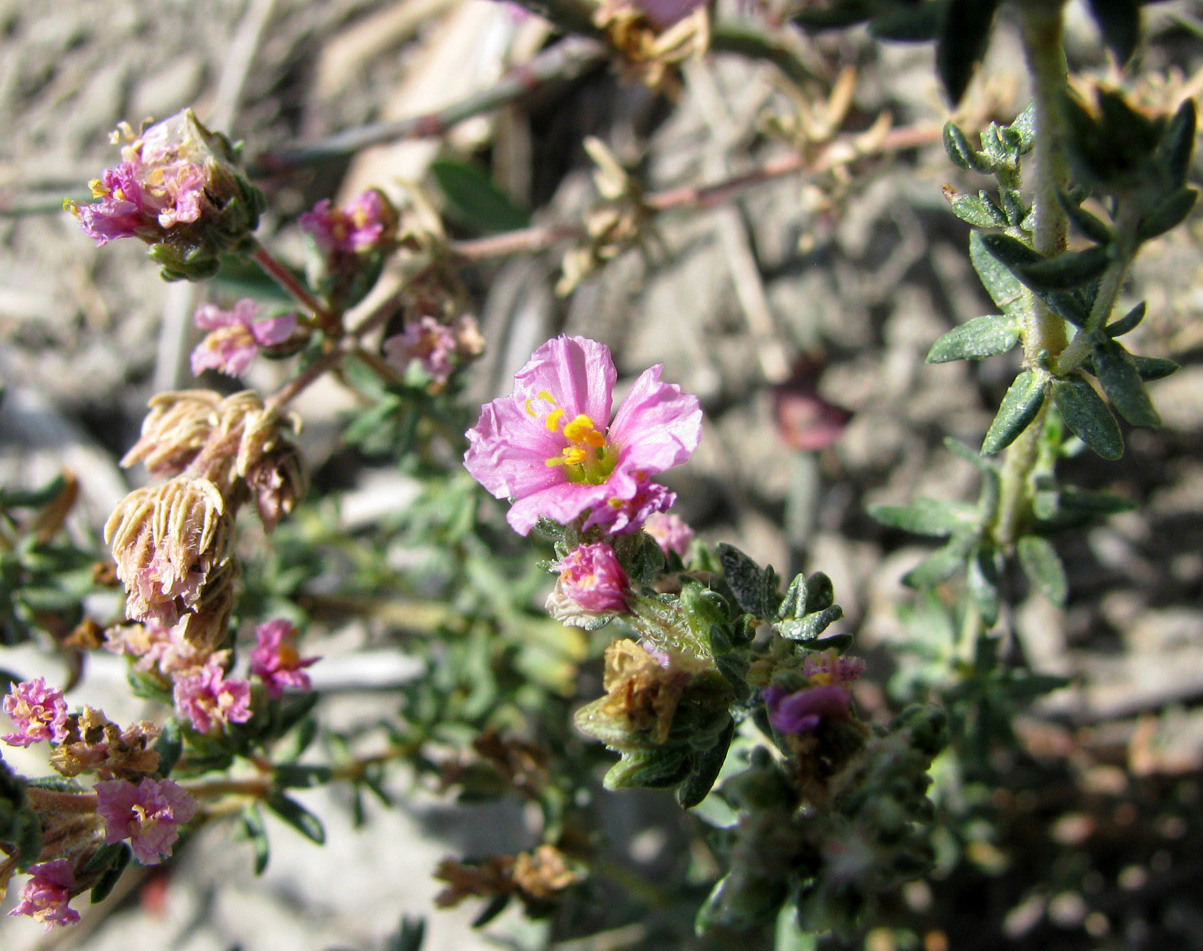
(302, 776)
(1168, 214)
(962, 153)
(1126, 324)
(755, 589)
(1153, 368)
(475, 199)
(1004, 288)
(255, 830)
(933, 517)
(978, 210)
(941, 564)
(297, 816)
(983, 570)
(1042, 565)
(704, 770)
(1122, 383)
(1119, 22)
(1088, 417)
(1065, 271)
(976, 339)
(1019, 407)
(810, 626)
(115, 865)
(1092, 227)
(1177, 144)
(971, 456)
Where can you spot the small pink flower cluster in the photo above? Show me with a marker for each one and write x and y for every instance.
(46, 894)
(435, 346)
(591, 585)
(149, 814)
(39, 712)
(361, 226)
(234, 337)
(276, 661)
(552, 448)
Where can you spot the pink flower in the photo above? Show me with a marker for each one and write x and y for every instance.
(359, 227)
(827, 697)
(591, 584)
(670, 532)
(429, 342)
(149, 815)
(46, 894)
(665, 13)
(828, 667)
(118, 211)
(39, 712)
(276, 660)
(234, 337)
(207, 699)
(626, 516)
(548, 446)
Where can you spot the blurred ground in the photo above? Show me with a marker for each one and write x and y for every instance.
(858, 276)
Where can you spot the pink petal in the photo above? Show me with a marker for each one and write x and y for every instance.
(579, 373)
(657, 426)
(268, 333)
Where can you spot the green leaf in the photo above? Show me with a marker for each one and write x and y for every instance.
(1042, 565)
(755, 589)
(297, 816)
(254, 828)
(32, 498)
(962, 153)
(1019, 407)
(978, 210)
(1092, 227)
(1088, 417)
(704, 770)
(1119, 21)
(115, 862)
(964, 34)
(1004, 288)
(810, 626)
(976, 339)
(474, 198)
(971, 456)
(1065, 271)
(658, 768)
(934, 517)
(1170, 212)
(409, 936)
(912, 24)
(1122, 383)
(941, 564)
(1126, 324)
(298, 776)
(983, 571)
(1153, 368)
(1177, 144)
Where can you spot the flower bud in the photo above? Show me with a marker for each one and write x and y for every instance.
(591, 586)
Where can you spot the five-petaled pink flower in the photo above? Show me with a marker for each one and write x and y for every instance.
(549, 448)
(208, 699)
(358, 227)
(46, 894)
(276, 661)
(592, 584)
(234, 337)
(148, 814)
(670, 532)
(39, 712)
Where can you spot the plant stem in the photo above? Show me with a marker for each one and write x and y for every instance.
(1044, 334)
(287, 280)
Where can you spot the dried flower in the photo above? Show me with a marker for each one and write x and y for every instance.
(642, 692)
(177, 188)
(548, 446)
(544, 873)
(366, 223)
(94, 742)
(591, 584)
(46, 894)
(278, 480)
(670, 532)
(276, 661)
(174, 431)
(39, 712)
(208, 699)
(234, 337)
(167, 540)
(148, 814)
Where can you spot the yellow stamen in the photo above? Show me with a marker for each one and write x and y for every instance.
(553, 419)
(574, 456)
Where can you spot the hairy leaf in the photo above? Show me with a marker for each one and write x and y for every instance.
(1122, 383)
(1088, 417)
(1042, 565)
(976, 339)
(1019, 407)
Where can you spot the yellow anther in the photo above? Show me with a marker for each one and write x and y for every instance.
(574, 456)
(580, 429)
(594, 439)
(553, 419)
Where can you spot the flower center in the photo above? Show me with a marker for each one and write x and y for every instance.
(587, 457)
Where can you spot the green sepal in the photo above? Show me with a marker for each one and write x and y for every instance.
(976, 339)
(933, 517)
(1126, 324)
(964, 35)
(1042, 565)
(1122, 383)
(1087, 416)
(297, 816)
(659, 767)
(1019, 407)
